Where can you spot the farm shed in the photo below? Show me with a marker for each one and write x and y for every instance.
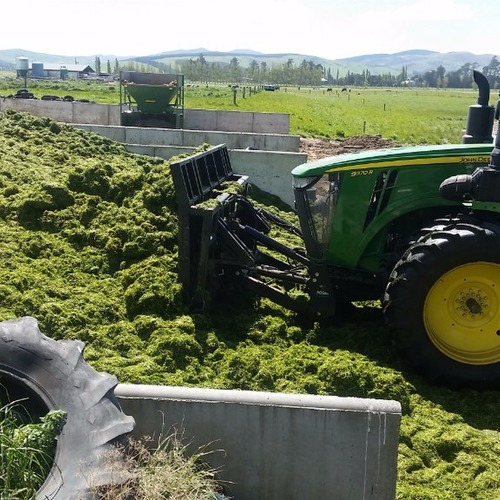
(47, 70)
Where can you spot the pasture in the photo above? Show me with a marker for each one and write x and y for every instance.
(406, 115)
(409, 116)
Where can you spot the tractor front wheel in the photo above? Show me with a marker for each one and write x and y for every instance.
(443, 300)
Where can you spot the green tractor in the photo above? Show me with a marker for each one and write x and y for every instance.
(415, 227)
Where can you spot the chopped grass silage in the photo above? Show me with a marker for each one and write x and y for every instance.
(89, 248)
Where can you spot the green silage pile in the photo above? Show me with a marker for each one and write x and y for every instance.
(88, 247)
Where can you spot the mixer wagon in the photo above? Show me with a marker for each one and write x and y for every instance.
(151, 99)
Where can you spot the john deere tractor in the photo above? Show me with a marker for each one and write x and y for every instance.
(417, 228)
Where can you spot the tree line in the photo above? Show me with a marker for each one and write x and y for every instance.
(308, 73)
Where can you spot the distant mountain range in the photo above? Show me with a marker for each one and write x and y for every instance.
(416, 61)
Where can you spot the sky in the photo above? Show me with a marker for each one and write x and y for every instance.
(332, 29)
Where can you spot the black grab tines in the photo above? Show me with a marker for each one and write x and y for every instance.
(196, 177)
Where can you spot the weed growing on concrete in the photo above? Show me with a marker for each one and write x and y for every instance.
(165, 470)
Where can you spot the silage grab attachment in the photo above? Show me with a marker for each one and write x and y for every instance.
(222, 235)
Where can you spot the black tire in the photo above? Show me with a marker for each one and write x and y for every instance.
(443, 301)
(54, 375)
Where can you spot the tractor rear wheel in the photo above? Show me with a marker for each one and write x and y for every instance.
(443, 300)
(47, 374)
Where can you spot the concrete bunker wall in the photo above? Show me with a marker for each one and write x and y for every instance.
(279, 446)
(259, 143)
(269, 167)
(194, 119)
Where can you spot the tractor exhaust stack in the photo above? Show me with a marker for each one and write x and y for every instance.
(484, 183)
(480, 116)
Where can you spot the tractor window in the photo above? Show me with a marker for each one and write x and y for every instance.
(316, 202)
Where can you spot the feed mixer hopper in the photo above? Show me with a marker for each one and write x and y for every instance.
(151, 99)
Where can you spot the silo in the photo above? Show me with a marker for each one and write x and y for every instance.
(37, 70)
(22, 66)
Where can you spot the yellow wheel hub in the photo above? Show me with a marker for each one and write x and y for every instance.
(462, 313)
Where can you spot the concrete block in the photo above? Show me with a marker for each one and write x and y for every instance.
(279, 446)
(135, 135)
(61, 111)
(195, 138)
(153, 136)
(281, 142)
(271, 123)
(269, 170)
(242, 140)
(165, 152)
(115, 133)
(88, 112)
(234, 121)
(114, 115)
(199, 119)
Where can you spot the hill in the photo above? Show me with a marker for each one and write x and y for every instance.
(417, 61)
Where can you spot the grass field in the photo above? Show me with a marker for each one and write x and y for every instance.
(409, 116)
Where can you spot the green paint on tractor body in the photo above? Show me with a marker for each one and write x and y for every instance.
(363, 197)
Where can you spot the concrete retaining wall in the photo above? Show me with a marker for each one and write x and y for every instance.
(194, 119)
(279, 446)
(269, 167)
(237, 121)
(67, 112)
(194, 138)
(268, 170)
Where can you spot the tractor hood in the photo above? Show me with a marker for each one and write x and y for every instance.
(396, 157)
